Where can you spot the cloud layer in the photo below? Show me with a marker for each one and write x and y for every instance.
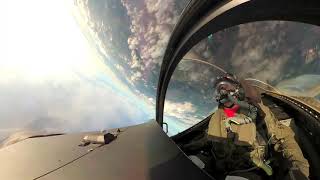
(54, 78)
(151, 24)
(270, 51)
(65, 106)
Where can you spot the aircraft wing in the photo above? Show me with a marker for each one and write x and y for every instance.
(139, 152)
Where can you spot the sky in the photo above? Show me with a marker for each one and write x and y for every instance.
(52, 78)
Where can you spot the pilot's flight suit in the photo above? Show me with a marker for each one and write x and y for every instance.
(245, 146)
(238, 149)
(284, 142)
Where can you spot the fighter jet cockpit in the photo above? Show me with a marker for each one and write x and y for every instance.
(246, 97)
(229, 90)
(160, 90)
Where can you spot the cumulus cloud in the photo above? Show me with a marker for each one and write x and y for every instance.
(304, 85)
(202, 50)
(270, 51)
(181, 111)
(151, 24)
(183, 115)
(258, 54)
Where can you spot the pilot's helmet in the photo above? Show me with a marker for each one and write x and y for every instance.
(225, 85)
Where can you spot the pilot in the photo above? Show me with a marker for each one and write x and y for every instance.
(238, 143)
(230, 96)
